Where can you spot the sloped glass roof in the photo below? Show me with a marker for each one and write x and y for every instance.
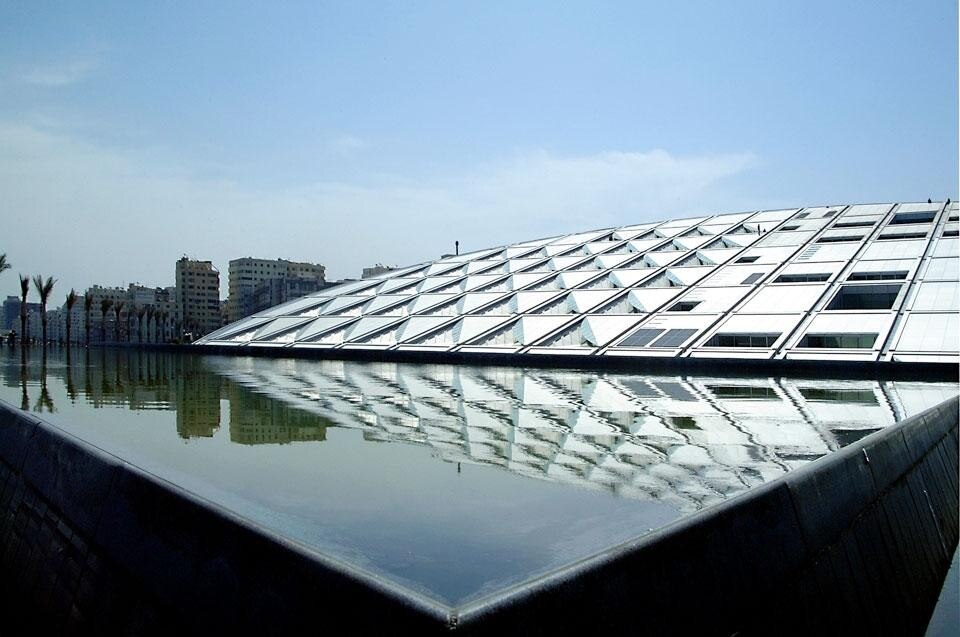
(722, 268)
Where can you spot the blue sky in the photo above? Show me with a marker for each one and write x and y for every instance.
(351, 133)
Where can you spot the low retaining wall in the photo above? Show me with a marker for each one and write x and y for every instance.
(857, 541)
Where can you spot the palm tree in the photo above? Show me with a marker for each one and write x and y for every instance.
(24, 290)
(71, 301)
(87, 306)
(44, 288)
(117, 309)
(164, 315)
(157, 316)
(4, 265)
(129, 324)
(150, 312)
(141, 312)
(105, 306)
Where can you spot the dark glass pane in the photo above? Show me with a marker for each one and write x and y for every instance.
(641, 337)
(865, 297)
(912, 217)
(877, 276)
(674, 338)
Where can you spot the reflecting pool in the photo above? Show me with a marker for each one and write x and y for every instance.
(454, 481)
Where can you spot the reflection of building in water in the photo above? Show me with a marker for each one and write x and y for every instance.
(257, 419)
(197, 401)
(687, 440)
(106, 378)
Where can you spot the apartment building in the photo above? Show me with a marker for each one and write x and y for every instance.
(197, 296)
(246, 274)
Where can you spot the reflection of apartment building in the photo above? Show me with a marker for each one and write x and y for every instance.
(246, 274)
(256, 419)
(198, 296)
(197, 398)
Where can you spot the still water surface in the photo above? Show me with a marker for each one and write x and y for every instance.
(455, 481)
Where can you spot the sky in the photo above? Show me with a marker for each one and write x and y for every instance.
(358, 132)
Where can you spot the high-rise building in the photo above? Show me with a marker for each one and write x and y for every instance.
(11, 312)
(198, 296)
(247, 273)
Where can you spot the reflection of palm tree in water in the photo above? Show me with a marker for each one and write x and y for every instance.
(25, 398)
(105, 388)
(118, 381)
(45, 400)
(71, 387)
(87, 385)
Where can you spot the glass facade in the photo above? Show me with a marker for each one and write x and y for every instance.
(820, 278)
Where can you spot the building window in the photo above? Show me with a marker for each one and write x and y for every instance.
(840, 239)
(684, 306)
(747, 259)
(674, 338)
(742, 340)
(878, 276)
(854, 224)
(743, 391)
(641, 337)
(912, 217)
(902, 235)
(812, 277)
(753, 278)
(839, 341)
(865, 297)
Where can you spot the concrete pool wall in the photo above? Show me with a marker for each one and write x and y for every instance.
(858, 540)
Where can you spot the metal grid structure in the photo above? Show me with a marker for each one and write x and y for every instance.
(869, 282)
(690, 441)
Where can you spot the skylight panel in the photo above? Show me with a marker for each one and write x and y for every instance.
(865, 297)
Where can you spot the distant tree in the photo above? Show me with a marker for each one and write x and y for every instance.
(87, 306)
(131, 313)
(105, 306)
(141, 312)
(117, 310)
(157, 317)
(44, 288)
(151, 311)
(24, 290)
(164, 315)
(71, 301)
(4, 264)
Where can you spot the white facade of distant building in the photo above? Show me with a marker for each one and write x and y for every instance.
(197, 296)
(247, 273)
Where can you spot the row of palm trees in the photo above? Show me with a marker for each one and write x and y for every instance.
(144, 315)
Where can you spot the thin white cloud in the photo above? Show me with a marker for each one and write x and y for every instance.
(346, 144)
(57, 74)
(90, 214)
